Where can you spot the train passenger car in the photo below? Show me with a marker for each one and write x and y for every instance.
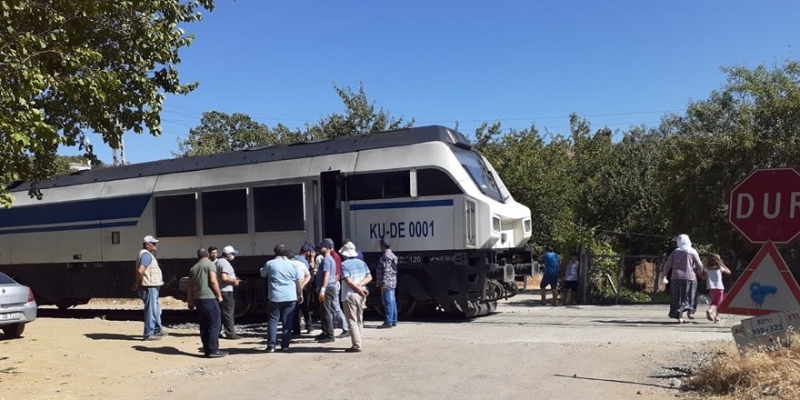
(457, 231)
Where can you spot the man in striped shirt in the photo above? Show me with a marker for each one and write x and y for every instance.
(355, 276)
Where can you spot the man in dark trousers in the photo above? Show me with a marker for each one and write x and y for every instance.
(203, 293)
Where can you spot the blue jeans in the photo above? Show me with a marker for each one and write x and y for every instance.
(283, 310)
(210, 319)
(390, 305)
(152, 310)
(338, 314)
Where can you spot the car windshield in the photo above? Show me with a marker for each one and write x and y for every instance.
(480, 174)
(5, 279)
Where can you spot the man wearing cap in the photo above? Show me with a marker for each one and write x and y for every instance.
(148, 281)
(285, 291)
(306, 251)
(387, 281)
(355, 276)
(326, 285)
(227, 281)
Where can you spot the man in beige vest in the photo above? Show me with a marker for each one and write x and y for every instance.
(148, 282)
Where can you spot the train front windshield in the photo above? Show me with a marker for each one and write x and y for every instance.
(480, 174)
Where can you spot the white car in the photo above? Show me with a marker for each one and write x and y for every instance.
(17, 306)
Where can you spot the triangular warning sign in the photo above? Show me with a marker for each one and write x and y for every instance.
(766, 286)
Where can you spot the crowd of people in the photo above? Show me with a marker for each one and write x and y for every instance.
(317, 282)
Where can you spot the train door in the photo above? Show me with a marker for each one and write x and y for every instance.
(334, 192)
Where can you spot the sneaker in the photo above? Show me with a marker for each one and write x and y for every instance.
(321, 336)
(326, 340)
(217, 354)
(384, 326)
(690, 315)
(352, 350)
(269, 349)
(309, 329)
(233, 336)
(708, 315)
(344, 334)
(161, 334)
(152, 337)
(283, 350)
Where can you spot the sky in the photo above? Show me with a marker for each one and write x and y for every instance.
(617, 63)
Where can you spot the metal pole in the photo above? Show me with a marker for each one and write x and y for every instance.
(619, 276)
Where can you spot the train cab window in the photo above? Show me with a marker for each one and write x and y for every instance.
(176, 215)
(225, 212)
(279, 208)
(396, 184)
(480, 174)
(434, 182)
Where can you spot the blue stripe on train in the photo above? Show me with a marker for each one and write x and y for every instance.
(71, 227)
(405, 204)
(74, 212)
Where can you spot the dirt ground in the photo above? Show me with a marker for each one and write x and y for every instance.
(523, 351)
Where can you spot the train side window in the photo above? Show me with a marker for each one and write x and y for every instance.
(364, 187)
(225, 212)
(434, 182)
(278, 208)
(396, 184)
(176, 215)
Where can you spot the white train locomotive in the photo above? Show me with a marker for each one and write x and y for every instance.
(457, 231)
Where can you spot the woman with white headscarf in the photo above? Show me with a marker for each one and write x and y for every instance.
(684, 264)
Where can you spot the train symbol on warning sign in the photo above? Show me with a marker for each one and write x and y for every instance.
(759, 292)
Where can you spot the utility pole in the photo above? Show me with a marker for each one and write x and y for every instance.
(119, 154)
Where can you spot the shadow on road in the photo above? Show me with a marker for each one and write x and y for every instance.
(112, 336)
(166, 350)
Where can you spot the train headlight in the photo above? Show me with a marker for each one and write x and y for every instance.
(495, 224)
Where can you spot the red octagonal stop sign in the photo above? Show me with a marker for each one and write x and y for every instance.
(766, 205)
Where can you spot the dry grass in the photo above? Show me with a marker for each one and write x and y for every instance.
(755, 374)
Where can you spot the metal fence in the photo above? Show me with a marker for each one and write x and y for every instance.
(631, 278)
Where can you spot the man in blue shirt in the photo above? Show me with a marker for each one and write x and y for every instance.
(285, 291)
(552, 268)
(327, 288)
(356, 276)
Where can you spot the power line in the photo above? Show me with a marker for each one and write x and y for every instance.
(444, 120)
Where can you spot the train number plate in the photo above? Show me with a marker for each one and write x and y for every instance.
(10, 316)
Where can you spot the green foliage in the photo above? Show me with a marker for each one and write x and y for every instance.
(62, 163)
(627, 296)
(360, 117)
(220, 132)
(536, 174)
(72, 66)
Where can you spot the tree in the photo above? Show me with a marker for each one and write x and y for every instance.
(752, 122)
(220, 132)
(360, 117)
(74, 66)
(63, 163)
(536, 174)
